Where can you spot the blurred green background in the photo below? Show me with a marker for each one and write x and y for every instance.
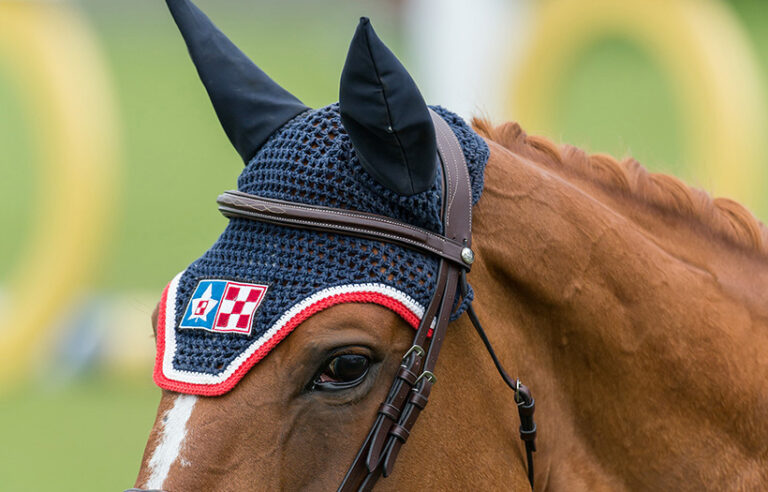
(81, 421)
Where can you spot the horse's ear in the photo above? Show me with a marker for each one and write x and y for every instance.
(249, 104)
(386, 116)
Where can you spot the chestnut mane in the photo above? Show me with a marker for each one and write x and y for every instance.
(723, 217)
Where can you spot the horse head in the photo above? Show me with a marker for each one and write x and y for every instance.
(633, 305)
(245, 405)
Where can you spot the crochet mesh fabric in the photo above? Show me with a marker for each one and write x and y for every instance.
(311, 160)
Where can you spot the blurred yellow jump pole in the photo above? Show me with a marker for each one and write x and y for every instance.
(703, 50)
(52, 54)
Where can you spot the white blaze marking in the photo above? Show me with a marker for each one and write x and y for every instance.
(174, 430)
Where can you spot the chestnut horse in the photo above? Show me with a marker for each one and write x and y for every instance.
(635, 307)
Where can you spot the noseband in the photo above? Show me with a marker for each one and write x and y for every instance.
(410, 390)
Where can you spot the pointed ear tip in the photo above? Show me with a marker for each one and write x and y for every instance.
(365, 26)
(365, 30)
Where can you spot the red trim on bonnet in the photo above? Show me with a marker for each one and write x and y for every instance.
(226, 385)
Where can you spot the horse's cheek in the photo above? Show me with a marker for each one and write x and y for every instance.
(316, 448)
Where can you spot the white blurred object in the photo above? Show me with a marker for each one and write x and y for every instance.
(463, 52)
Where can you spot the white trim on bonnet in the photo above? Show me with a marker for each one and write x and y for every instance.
(210, 379)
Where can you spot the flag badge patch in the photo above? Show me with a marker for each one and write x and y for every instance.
(223, 306)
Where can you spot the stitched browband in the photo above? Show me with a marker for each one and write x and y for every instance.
(360, 224)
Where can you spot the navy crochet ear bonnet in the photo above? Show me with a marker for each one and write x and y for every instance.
(259, 281)
(309, 160)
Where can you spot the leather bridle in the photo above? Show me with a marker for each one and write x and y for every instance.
(410, 390)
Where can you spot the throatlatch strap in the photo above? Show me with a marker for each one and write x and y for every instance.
(526, 405)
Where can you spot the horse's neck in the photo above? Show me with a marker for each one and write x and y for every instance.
(644, 342)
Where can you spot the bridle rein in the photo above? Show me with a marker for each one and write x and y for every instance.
(410, 390)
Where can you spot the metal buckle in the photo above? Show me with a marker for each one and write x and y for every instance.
(428, 375)
(416, 348)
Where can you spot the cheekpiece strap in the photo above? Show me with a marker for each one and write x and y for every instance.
(387, 436)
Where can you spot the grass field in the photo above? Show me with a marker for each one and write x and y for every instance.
(85, 437)
(89, 436)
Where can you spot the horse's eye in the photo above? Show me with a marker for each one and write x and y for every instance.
(342, 372)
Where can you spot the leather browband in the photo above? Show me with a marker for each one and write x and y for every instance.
(360, 224)
(410, 390)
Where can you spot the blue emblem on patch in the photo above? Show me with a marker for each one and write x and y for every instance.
(223, 306)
